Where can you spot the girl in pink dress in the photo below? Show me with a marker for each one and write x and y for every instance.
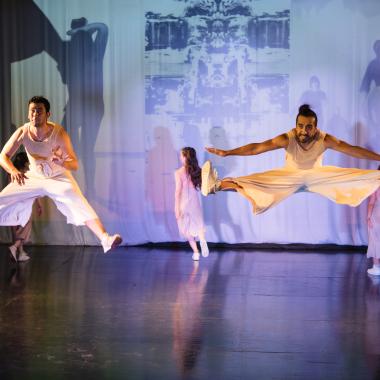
(373, 220)
(188, 211)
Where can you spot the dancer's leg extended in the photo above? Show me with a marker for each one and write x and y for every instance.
(343, 185)
(211, 183)
(68, 198)
(263, 190)
(228, 185)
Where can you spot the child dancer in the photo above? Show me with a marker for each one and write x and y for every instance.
(188, 210)
(373, 220)
(22, 234)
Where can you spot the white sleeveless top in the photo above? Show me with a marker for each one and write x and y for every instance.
(40, 152)
(299, 158)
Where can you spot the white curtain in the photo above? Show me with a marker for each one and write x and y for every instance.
(145, 78)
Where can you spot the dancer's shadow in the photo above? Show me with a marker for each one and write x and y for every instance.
(372, 102)
(84, 78)
(316, 98)
(192, 137)
(25, 31)
(161, 162)
(216, 211)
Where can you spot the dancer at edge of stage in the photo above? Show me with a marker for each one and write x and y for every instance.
(21, 234)
(373, 220)
(52, 159)
(303, 170)
(188, 211)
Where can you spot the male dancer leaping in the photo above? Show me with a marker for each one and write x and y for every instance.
(52, 159)
(303, 170)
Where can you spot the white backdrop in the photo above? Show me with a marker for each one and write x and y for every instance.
(199, 73)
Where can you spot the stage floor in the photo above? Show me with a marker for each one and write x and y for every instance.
(139, 313)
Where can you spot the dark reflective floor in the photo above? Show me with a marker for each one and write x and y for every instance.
(153, 314)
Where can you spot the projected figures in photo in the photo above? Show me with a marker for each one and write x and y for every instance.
(84, 78)
(316, 98)
(221, 60)
(303, 171)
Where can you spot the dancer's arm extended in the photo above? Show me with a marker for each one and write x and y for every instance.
(277, 142)
(332, 142)
(63, 153)
(10, 148)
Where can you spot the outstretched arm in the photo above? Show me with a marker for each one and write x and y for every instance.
(278, 142)
(332, 142)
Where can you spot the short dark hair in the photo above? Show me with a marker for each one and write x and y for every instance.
(306, 111)
(40, 99)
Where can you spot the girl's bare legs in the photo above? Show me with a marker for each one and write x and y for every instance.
(376, 262)
(193, 245)
(203, 243)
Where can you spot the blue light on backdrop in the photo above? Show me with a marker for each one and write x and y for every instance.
(134, 81)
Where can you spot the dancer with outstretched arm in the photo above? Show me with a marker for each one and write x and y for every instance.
(303, 170)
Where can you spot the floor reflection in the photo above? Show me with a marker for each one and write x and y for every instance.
(155, 314)
(187, 320)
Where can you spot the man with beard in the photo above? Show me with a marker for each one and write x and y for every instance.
(303, 170)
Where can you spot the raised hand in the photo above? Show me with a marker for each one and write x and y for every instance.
(218, 152)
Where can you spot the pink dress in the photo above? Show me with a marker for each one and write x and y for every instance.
(374, 231)
(190, 222)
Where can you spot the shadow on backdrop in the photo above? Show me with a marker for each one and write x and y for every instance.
(316, 98)
(161, 162)
(216, 211)
(83, 75)
(372, 75)
(25, 31)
